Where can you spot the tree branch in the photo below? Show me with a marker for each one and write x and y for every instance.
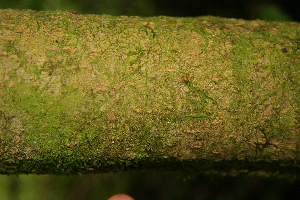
(89, 93)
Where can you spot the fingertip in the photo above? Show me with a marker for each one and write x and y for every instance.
(121, 197)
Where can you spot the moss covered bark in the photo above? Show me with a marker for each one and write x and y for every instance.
(89, 93)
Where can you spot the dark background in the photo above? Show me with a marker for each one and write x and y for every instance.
(280, 10)
(145, 185)
(155, 185)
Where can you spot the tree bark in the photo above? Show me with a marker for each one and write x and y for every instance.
(89, 93)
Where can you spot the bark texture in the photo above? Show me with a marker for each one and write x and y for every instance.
(89, 93)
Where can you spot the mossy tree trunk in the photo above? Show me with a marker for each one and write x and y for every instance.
(89, 93)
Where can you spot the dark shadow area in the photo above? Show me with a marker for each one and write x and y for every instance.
(273, 10)
(146, 185)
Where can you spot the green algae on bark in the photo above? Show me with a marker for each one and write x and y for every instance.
(89, 93)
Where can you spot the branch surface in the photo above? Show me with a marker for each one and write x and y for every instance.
(90, 93)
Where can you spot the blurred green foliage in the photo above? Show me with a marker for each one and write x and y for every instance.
(272, 12)
(112, 7)
(143, 185)
(264, 9)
